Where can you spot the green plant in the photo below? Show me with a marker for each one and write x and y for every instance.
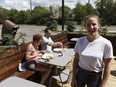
(81, 30)
(8, 39)
(21, 38)
(70, 26)
(52, 24)
(104, 30)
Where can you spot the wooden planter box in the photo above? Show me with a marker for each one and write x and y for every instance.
(9, 60)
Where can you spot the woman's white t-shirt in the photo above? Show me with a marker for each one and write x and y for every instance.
(91, 54)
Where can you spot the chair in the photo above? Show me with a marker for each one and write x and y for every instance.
(63, 77)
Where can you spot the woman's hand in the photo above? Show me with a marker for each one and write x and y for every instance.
(39, 54)
(42, 52)
(106, 72)
(74, 82)
(102, 84)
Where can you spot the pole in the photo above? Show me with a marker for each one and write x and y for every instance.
(31, 7)
(63, 15)
(89, 1)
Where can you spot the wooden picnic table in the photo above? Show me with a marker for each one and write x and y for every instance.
(14, 81)
(59, 59)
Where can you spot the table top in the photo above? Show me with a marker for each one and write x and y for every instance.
(18, 82)
(60, 60)
(74, 39)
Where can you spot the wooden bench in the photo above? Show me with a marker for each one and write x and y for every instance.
(9, 61)
(61, 37)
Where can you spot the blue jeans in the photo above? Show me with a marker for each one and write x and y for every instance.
(84, 78)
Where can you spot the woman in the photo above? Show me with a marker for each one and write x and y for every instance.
(93, 54)
(32, 55)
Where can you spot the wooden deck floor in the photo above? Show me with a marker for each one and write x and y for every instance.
(111, 81)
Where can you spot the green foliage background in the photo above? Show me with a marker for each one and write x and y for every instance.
(40, 15)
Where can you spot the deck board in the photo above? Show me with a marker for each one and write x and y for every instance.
(112, 79)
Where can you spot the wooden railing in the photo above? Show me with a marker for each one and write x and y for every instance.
(9, 61)
(61, 37)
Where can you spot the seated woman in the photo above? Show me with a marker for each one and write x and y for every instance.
(32, 55)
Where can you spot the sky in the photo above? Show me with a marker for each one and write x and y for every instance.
(25, 4)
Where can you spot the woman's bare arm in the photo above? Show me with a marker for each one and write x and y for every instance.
(106, 72)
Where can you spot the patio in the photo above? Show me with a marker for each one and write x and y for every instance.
(111, 81)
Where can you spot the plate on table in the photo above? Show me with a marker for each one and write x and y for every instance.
(57, 50)
(47, 56)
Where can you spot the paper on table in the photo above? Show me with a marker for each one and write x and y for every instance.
(57, 49)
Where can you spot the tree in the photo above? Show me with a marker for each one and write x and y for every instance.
(12, 14)
(80, 11)
(39, 15)
(106, 9)
(52, 23)
(114, 14)
(21, 17)
(89, 9)
(28, 19)
(67, 10)
(3, 14)
(70, 23)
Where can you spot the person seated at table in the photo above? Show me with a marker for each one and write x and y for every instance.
(48, 44)
(32, 55)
